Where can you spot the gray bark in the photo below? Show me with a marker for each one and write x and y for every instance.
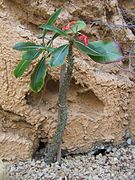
(66, 74)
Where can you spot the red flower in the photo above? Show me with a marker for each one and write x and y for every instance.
(84, 39)
(72, 22)
(68, 27)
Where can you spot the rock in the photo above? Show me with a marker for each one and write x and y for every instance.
(100, 100)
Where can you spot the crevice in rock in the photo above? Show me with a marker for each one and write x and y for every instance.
(102, 148)
(92, 106)
(41, 150)
(80, 100)
(46, 99)
(128, 13)
(19, 14)
(130, 21)
(10, 113)
(11, 122)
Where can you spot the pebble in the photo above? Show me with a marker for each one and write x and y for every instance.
(119, 164)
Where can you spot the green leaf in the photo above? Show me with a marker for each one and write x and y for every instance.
(110, 51)
(58, 55)
(53, 28)
(78, 26)
(54, 17)
(31, 55)
(38, 76)
(26, 46)
(21, 67)
(88, 50)
(50, 49)
(101, 51)
(51, 20)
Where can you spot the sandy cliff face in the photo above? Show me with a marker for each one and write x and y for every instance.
(100, 100)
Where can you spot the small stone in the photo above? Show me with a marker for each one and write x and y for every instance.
(109, 149)
(53, 110)
(129, 141)
(38, 162)
(12, 169)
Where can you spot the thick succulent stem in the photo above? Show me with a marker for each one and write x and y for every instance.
(66, 74)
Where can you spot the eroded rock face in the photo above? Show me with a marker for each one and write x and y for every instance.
(100, 97)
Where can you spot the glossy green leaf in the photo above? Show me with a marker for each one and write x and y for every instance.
(38, 76)
(31, 55)
(26, 46)
(21, 67)
(110, 51)
(86, 49)
(50, 49)
(78, 26)
(51, 20)
(59, 55)
(54, 17)
(53, 28)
